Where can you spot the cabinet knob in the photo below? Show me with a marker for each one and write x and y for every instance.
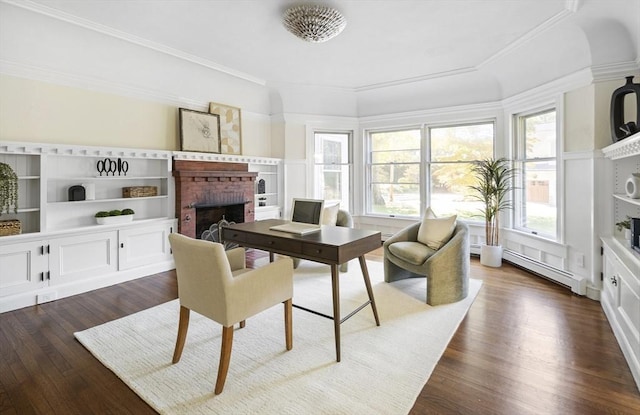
(614, 281)
(121, 244)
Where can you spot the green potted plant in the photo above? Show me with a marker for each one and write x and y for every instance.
(114, 216)
(494, 182)
(8, 200)
(625, 225)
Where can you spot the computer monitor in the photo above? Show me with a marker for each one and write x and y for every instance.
(307, 211)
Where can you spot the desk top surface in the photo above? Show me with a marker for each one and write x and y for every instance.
(328, 235)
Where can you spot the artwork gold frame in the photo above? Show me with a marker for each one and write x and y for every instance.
(230, 127)
(199, 131)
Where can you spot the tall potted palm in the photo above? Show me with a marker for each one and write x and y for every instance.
(494, 182)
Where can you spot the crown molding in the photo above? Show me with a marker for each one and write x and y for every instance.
(530, 35)
(96, 27)
(397, 82)
(54, 77)
(467, 110)
(35, 73)
(572, 5)
(550, 90)
(615, 71)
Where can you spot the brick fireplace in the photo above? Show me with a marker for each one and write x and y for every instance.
(208, 191)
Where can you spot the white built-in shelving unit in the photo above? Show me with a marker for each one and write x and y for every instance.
(620, 297)
(61, 250)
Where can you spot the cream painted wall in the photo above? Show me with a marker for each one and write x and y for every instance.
(579, 119)
(40, 112)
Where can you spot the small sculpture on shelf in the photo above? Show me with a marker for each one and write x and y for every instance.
(619, 128)
(112, 166)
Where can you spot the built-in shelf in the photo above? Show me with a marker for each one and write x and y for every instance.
(624, 148)
(117, 199)
(105, 178)
(627, 199)
(61, 239)
(620, 294)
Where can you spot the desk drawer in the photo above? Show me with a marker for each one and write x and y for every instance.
(323, 252)
(275, 244)
(234, 236)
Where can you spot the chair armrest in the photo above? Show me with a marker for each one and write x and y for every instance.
(452, 257)
(258, 289)
(409, 233)
(236, 258)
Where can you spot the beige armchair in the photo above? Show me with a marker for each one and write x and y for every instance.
(446, 269)
(344, 219)
(215, 283)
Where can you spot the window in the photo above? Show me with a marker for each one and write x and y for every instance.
(536, 160)
(405, 176)
(452, 150)
(394, 173)
(332, 166)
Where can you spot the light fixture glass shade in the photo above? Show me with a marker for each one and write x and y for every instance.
(314, 23)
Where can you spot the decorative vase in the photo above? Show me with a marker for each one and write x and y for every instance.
(491, 255)
(632, 186)
(627, 234)
(619, 129)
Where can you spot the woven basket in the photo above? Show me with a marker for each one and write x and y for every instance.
(139, 191)
(10, 227)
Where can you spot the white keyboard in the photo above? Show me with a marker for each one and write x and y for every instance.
(297, 228)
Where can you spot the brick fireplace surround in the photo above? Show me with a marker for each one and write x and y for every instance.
(204, 183)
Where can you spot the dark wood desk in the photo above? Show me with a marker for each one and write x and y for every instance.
(332, 245)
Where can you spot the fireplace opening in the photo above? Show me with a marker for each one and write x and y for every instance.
(209, 220)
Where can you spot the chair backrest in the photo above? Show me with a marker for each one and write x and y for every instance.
(344, 219)
(204, 273)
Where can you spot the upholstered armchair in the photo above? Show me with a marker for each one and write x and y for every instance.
(446, 269)
(215, 283)
(344, 219)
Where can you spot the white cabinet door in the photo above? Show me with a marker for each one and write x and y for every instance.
(23, 267)
(144, 245)
(83, 256)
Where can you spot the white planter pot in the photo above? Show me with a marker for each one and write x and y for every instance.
(111, 220)
(491, 256)
(627, 234)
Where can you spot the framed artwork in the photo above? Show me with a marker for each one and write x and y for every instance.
(230, 127)
(199, 131)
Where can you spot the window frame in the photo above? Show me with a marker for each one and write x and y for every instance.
(520, 159)
(424, 162)
(316, 193)
(428, 161)
(368, 183)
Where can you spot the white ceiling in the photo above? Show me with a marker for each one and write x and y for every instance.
(384, 43)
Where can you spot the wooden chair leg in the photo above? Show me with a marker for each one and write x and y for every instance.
(243, 323)
(183, 326)
(288, 323)
(225, 357)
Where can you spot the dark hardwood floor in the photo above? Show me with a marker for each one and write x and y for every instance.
(527, 346)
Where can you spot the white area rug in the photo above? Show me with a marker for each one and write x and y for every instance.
(383, 369)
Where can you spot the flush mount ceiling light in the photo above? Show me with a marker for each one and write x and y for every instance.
(314, 23)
